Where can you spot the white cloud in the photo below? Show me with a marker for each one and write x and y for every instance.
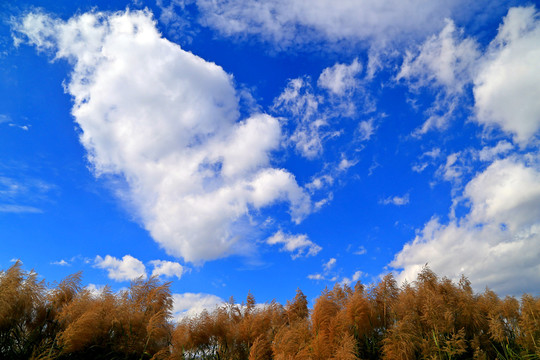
(316, 277)
(286, 22)
(22, 127)
(433, 153)
(361, 251)
(491, 153)
(324, 201)
(445, 60)
(366, 129)
(340, 78)
(297, 245)
(497, 244)
(316, 112)
(446, 63)
(396, 200)
(19, 209)
(507, 86)
(167, 268)
(191, 304)
(345, 164)
(319, 182)
(330, 264)
(328, 272)
(95, 290)
(62, 262)
(505, 77)
(23, 188)
(419, 167)
(454, 168)
(129, 268)
(7, 120)
(355, 277)
(508, 192)
(323, 181)
(302, 104)
(167, 122)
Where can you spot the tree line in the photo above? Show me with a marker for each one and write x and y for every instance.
(430, 318)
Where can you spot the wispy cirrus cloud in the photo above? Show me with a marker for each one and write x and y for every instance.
(19, 209)
(4, 118)
(317, 112)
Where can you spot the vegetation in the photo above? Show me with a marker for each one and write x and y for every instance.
(431, 318)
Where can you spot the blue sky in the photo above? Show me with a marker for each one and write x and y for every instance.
(261, 146)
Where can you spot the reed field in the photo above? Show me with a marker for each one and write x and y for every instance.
(430, 318)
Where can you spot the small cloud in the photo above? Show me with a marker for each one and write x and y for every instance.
(319, 204)
(298, 245)
(433, 153)
(374, 165)
(340, 78)
(344, 164)
(13, 260)
(330, 264)
(19, 209)
(366, 129)
(419, 167)
(396, 200)
(355, 277)
(95, 290)
(22, 127)
(361, 251)
(192, 304)
(61, 263)
(167, 268)
(455, 167)
(328, 273)
(128, 268)
(319, 182)
(491, 153)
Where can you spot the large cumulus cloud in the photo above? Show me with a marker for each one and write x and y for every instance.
(166, 122)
